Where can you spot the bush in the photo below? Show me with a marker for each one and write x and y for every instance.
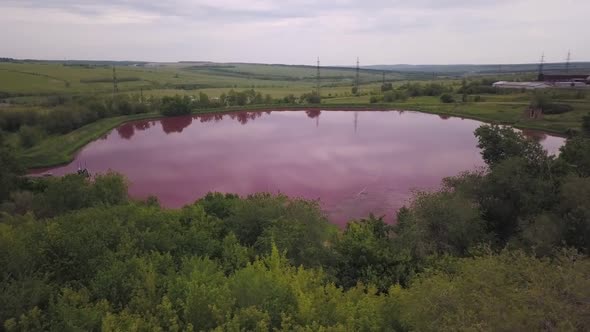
(30, 136)
(447, 98)
(311, 98)
(375, 99)
(586, 124)
(386, 87)
(289, 99)
(391, 96)
(554, 108)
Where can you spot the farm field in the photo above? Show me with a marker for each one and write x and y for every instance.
(41, 87)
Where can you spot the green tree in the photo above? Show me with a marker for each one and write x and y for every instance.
(444, 222)
(576, 154)
(109, 189)
(10, 169)
(499, 143)
(586, 124)
(447, 98)
(30, 136)
(176, 105)
(203, 100)
(508, 292)
(365, 253)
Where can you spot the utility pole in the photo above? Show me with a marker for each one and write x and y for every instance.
(567, 62)
(541, 66)
(318, 78)
(357, 81)
(115, 87)
(383, 83)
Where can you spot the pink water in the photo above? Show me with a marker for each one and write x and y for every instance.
(354, 162)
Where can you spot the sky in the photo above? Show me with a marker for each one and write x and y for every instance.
(297, 31)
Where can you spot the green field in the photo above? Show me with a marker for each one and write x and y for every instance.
(30, 85)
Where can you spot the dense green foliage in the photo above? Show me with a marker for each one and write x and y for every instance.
(500, 249)
(177, 105)
(447, 98)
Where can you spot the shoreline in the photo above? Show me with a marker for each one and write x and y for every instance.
(61, 150)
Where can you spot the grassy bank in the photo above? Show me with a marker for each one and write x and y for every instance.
(58, 150)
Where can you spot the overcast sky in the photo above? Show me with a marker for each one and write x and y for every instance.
(297, 31)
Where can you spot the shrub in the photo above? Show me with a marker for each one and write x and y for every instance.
(375, 99)
(447, 98)
(554, 108)
(391, 96)
(30, 136)
(386, 87)
(586, 124)
(311, 98)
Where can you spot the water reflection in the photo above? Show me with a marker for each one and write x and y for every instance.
(176, 124)
(142, 125)
(126, 130)
(312, 114)
(534, 134)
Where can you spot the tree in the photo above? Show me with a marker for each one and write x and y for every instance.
(311, 98)
(499, 143)
(386, 87)
(366, 254)
(576, 153)
(30, 136)
(586, 125)
(10, 169)
(203, 99)
(575, 208)
(177, 105)
(447, 98)
(109, 189)
(506, 292)
(444, 222)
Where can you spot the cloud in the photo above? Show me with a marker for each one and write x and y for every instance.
(296, 31)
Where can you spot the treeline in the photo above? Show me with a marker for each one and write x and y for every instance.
(403, 92)
(504, 249)
(110, 80)
(32, 124)
(65, 114)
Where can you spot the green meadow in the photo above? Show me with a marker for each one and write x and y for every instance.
(44, 86)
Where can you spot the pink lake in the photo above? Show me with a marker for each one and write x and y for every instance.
(354, 162)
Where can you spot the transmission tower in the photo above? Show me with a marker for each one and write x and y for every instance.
(567, 62)
(115, 87)
(318, 78)
(541, 66)
(357, 80)
(383, 74)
